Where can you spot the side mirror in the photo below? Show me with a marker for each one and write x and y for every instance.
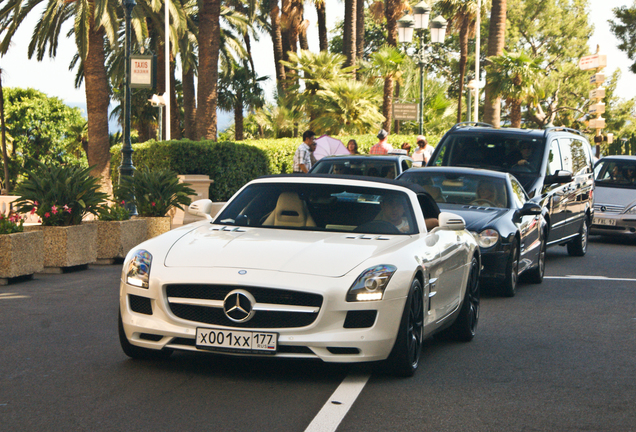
(560, 177)
(530, 208)
(451, 221)
(201, 208)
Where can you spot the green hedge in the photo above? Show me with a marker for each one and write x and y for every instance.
(230, 164)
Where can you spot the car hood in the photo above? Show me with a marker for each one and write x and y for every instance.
(291, 251)
(614, 196)
(477, 218)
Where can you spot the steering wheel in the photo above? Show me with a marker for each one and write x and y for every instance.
(377, 227)
(481, 202)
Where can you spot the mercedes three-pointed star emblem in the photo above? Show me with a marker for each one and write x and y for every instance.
(238, 305)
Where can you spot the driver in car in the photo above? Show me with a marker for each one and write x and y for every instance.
(392, 211)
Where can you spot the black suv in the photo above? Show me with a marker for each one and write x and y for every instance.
(554, 165)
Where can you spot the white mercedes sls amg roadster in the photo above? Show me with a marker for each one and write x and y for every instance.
(339, 268)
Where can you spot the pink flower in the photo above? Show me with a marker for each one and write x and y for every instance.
(152, 203)
(36, 203)
(54, 209)
(33, 210)
(47, 214)
(68, 209)
(123, 203)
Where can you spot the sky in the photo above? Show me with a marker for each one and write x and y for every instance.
(53, 77)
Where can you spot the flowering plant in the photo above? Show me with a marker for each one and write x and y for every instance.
(59, 195)
(116, 211)
(155, 192)
(11, 224)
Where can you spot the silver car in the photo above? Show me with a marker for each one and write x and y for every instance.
(615, 196)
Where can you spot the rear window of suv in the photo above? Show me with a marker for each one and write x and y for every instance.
(502, 152)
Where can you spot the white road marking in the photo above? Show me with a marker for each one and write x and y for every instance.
(336, 408)
(582, 277)
(9, 296)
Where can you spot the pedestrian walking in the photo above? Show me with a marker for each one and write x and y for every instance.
(382, 147)
(304, 152)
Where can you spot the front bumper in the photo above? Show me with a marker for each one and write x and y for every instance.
(621, 224)
(156, 326)
(495, 261)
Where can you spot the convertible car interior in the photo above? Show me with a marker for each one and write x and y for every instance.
(321, 207)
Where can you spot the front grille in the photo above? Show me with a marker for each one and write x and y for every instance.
(262, 319)
(343, 350)
(140, 304)
(360, 319)
(608, 208)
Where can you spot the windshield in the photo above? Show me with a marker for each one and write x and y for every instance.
(453, 188)
(362, 167)
(502, 152)
(616, 173)
(321, 207)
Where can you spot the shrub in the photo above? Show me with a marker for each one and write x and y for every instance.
(59, 195)
(11, 224)
(154, 192)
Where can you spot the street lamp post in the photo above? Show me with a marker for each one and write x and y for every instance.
(420, 22)
(126, 168)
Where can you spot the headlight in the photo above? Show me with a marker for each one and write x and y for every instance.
(371, 283)
(488, 238)
(138, 271)
(631, 210)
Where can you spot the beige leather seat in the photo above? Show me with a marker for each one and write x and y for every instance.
(290, 211)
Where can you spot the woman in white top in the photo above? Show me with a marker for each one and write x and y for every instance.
(423, 152)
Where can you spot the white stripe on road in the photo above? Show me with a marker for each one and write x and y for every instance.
(9, 296)
(338, 404)
(604, 278)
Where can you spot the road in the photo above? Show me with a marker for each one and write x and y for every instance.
(560, 356)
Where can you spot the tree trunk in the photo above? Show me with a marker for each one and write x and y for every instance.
(515, 113)
(209, 36)
(496, 40)
(360, 29)
(302, 39)
(277, 42)
(97, 101)
(321, 11)
(238, 118)
(175, 112)
(189, 107)
(349, 36)
(463, 57)
(393, 12)
(387, 103)
(5, 158)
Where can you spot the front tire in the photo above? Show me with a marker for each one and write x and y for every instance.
(405, 356)
(509, 285)
(578, 245)
(136, 352)
(535, 276)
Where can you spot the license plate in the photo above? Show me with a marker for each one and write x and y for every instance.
(603, 221)
(236, 341)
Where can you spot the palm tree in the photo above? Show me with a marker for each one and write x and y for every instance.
(93, 20)
(209, 40)
(387, 64)
(321, 12)
(346, 106)
(349, 45)
(512, 76)
(496, 40)
(463, 14)
(316, 69)
(239, 89)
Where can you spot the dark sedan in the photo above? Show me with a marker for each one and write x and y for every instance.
(386, 166)
(508, 227)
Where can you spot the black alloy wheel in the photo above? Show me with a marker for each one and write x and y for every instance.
(405, 356)
(578, 245)
(465, 326)
(136, 352)
(509, 284)
(536, 274)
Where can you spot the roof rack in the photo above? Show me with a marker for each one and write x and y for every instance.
(470, 123)
(561, 128)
